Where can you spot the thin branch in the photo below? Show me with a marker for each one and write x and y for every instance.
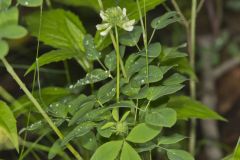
(185, 21)
(200, 5)
(225, 67)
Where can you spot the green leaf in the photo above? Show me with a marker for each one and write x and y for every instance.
(83, 109)
(108, 125)
(129, 90)
(95, 115)
(8, 124)
(154, 75)
(228, 157)
(236, 154)
(48, 95)
(142, 93)
(171, 53)
(164, 20)
(154, 50)
(89, 141)
(78, 131)
(132, 10)
(124, 117)
(58, 109)
(9, 17)
(165, 69)
(181, 65)
(185, 67)
(12, 31)
(30, 3)
(60, 29)
(165, 117)
(106, 92)
(175, 154)
(175, 138)
(41, 126)
(33, 126)
(188, 108)
(55, 149)
(104, 132)
(143, 133)
(128, 153)
(128, 65)
(146, 147)
(135, 63)
(3, 48)
(4, 4)
(123, 104)
(160, 91)
(131, 38)
(52, 56)
(94, 76)
(75, 104)
(91, 51)
(115, 114)
(110, 61)
(108, 151)
(174, 79)
(93, 4)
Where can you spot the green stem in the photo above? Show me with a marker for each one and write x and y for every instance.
(144, 38)
(67, 73)
(192, 141)
(200, 5)
(153, 33)
(38, 106)
(102, 65)
(36, 73)
(184, 20)
(7, 96)
(100, 4)
(100, 103)
(121, 61)
(118, 64)
(147, 105)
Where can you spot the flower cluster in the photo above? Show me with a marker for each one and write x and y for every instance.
(112, 17)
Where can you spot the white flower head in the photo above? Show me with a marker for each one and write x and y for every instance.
(112, 17)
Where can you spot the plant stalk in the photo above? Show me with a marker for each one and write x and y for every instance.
(118, 64)
(144, 37)
(192, 141)
(38, 106)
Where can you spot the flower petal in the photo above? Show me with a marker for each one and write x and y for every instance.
(128, 26)
(106, 31)
(130, 23)
(124, 12)
(103, 16)
(102, 26)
